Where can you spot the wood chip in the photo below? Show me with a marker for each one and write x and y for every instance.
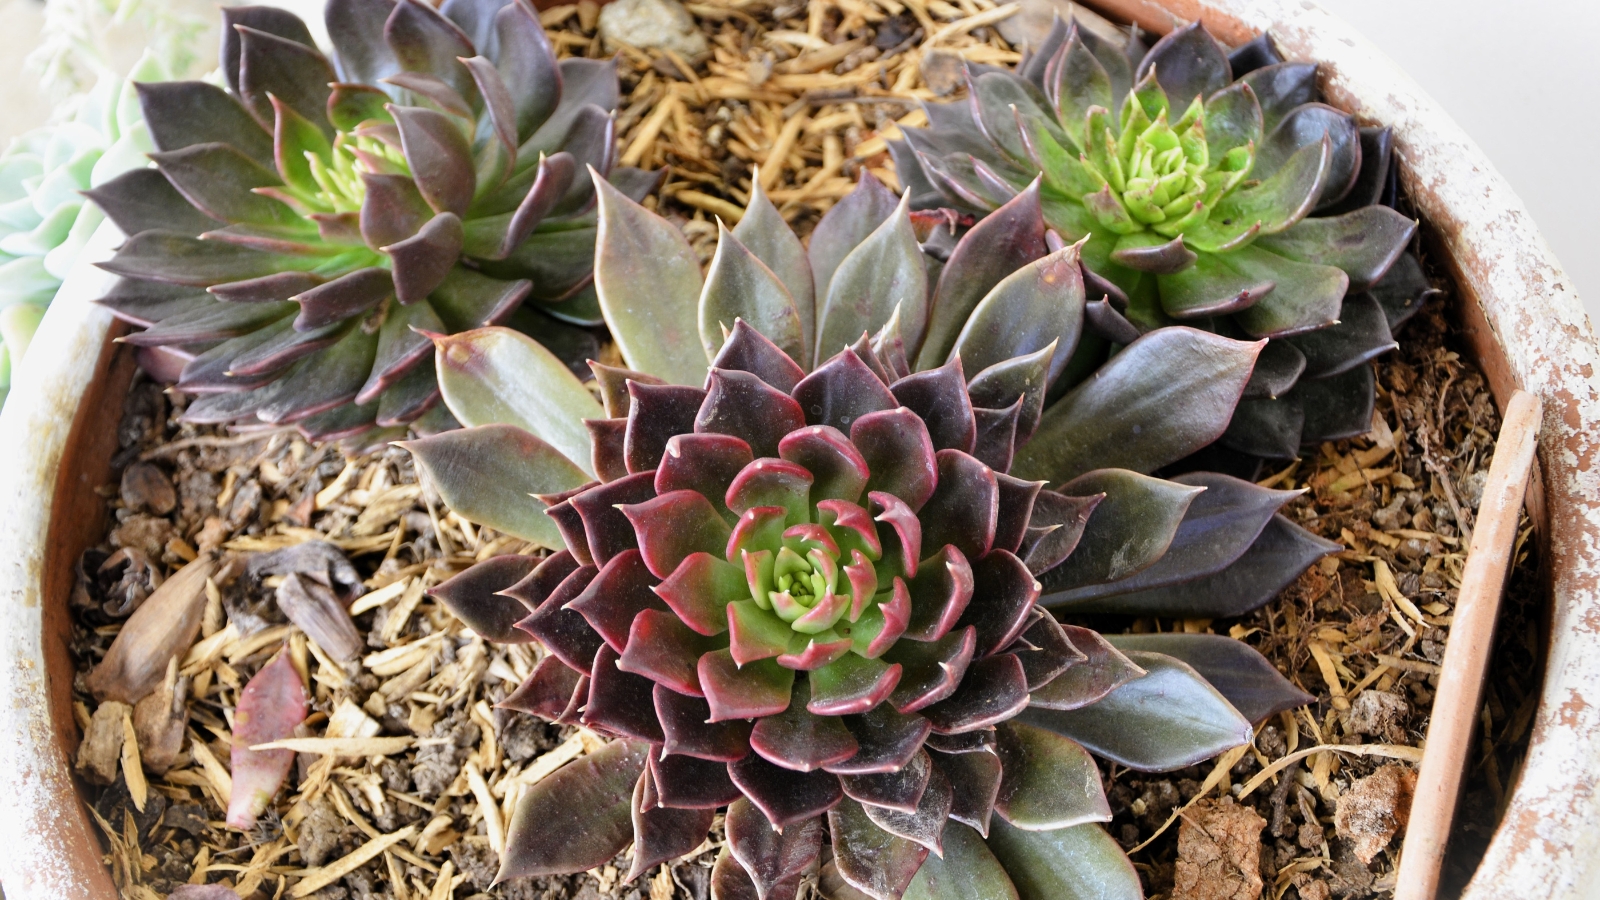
(216, 776)
(487, 807)
(340, 746)
(313, 880)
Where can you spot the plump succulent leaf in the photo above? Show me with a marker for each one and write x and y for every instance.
(1168, 718)
(576, 818)
(492, 474)
(1078, 863)
(1234, 668)
(271, 705)
(967, 870)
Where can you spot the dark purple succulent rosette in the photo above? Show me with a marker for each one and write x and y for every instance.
(1216, 189)
(800, 576)
(307, 226)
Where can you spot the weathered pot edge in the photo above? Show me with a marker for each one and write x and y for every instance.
(1516, 300)
(51, 849)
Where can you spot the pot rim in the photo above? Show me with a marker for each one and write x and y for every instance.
(1522, 315)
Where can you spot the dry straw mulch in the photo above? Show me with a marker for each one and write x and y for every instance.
(409, 774)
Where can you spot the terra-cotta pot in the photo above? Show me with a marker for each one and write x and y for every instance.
(1520, 314)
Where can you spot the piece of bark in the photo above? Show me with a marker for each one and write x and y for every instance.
(1374, 809)
(1219, 852)
(146, 487)
(321, 615)
(158, 721)
(163, 627)
(101, 750)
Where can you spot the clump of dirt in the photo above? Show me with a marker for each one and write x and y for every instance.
(1219, 852)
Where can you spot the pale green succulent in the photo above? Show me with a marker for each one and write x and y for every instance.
(44, 218)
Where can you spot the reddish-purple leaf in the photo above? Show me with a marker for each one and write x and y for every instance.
(837, 469)
(686, 723)
(657, 413)
(975, 783)
(563, 631)
(774, 860)
(870, 859)
(672, 526)
(1015, 510)
(769, 481)
(661, 832)
(272, 703)
(840, 392)
(700, 589)
(474, 597)
(547, 575)
(607, 530)
(932, 670)
(900, 790)
(748, 350)
(745, 406)
(618, 594)
(759, 688)
(800, 740)
(887, 739)
(343, 297)
(1044, 650)
(940, 593)
(785, 796)
(548, 690)
(993, 690)
(609, 456)
(808, 652)
(613, 385)
(663, 649)
(939, 398)
(686, 782)
(898, 453)
(578, 817)
(964, 506)
(1004, 592)
(620, 701)
(423, 260)
(392, 210)
(706, 463)
(925, 824)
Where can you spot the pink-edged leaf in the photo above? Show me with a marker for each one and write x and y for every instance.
(1103, 670)
(548, 690)
(748, 350)
(872, 860)
(272, 703)
(1015, 510)
(759, 529)
(608, 456)
(840, 392)
(852, 527)
(743, 405)
(661, 833)
(755, 633)
(343, 297)
(474, 597)
(620, 702)
(576, 818)
(392, 210)
(964, 507)
(933, 670)
(800, 740)
(898, 453)
(837, 468)
(656, 414)
(940, 593)
(700, 589)
(665, 650)
(774, 860)
(1049, 782)
(939, 398)
(706, 463)
(1004, 593)
(975, 783)
(686, 782)
(852, 685)
(759, 688)
(881, 626)
(785, 796)
(925, 824)
(861, 577)
(606, 530)
(894, 512)
(672, 526)
(898, 790)
(685, 721)
(729, 881)
(888, 740)
(563, 631)
(993, 690)
(810, 652)
(769, 481)
(618, 594)
(1055, 528)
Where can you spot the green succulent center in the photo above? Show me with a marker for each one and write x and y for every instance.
(338, 175)
(802, 582)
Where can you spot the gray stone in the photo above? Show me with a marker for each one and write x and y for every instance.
(652, 25)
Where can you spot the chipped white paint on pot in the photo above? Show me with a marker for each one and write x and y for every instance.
(1521, 313)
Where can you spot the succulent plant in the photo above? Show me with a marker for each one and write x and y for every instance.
(804, 581)
(44, 220)
(1214, 190)
(305, 228)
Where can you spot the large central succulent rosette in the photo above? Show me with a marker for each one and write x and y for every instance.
(1214, 190)
(811, 593)
(307, 226)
